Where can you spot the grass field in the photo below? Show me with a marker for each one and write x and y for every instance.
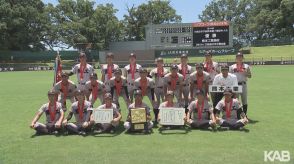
(270, 108)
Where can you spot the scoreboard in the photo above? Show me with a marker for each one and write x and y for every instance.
(189, 35)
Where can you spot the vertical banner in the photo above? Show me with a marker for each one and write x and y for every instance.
(57, 69)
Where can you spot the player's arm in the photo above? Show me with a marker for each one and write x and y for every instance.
(36, 118)
(69, 116)
(59, 122)
(102, 74)
(248, 72)
(118, 118)
(191, 89)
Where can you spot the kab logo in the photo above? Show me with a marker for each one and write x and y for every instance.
(282, 156)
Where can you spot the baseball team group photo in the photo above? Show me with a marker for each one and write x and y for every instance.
(146, 81)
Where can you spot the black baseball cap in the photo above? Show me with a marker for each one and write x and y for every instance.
(117, 70)
(109, 55)
(184, 56)
(199, 92)
(225, 67)
(207, 53)
(93, 75)
(64, 74)
(170, 93)
(107, 96)
(198, 65)
(132, 55)
(228, 91)
(174, 66)
(138, 92)
(79, 92)
(51, 92)
(159, 59)
(239, 54)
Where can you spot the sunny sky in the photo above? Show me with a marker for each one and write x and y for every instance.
(188, 9)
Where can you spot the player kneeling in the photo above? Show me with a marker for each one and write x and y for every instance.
(107, 127)
(200, 113)
(233, 116)
(54, 116)
(138, 104)
(82, 110)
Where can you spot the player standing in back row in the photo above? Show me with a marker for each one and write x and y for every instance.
(158, 73)
(242, 72)
(131, 72)
(185, 70)
(83, 71)
(107, 71)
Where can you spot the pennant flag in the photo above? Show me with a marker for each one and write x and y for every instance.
(57, 69)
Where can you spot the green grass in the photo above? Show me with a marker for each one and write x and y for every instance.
(270, 106)
(275, 53)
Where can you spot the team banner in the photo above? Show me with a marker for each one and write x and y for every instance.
(219, 88)
(57, 69)
(103, 115)
(172, 116)
(139, 118)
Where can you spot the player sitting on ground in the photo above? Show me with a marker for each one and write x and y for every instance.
(138, 104)
(233, 116)
(82, 110)
(54, 116)
(169, 103)
(200, 113)
(107, 127)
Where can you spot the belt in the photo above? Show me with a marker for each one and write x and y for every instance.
(82, 83)
(130, 83)
(241, 83)
(159, 87)
(186, 85)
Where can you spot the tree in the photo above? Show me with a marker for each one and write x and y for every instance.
(152, 12)
(237, 12)
(273, 19)
(77, 22)
(254, 19)
(22, 24)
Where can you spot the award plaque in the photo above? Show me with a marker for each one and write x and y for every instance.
(103, 115)
(172, 116)
(138, 119)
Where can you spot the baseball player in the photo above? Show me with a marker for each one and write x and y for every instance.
(200, 113)
(66, 89)
(94, 89)
(138, 104)
(169, 103)
(158, 73)
(173, 81)
(107, 71)
(107, 127)
(54, 116)
(119, 87)
(82, 111)
(185, 70)
(83, 71)
(233, 116)
(210, 66)
(225, 79)
(131, 72)
(242, 72)
(199, 80)
(146, 85)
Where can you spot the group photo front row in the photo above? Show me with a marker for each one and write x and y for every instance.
(207, 98)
